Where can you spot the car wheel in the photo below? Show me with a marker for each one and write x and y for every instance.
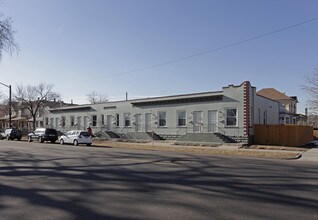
(29, 139)
(75, 142)
(62, 141)
(53, 142)
(89, 144)
(41, 139)
(19, 139)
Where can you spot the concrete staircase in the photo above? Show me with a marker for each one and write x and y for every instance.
(102, 135)
(204, 138)
(106, 135)
(155, 136)
(112, 134)
(134, 136)
(140, 136)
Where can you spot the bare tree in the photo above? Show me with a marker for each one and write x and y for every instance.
(95, 97)
(7, 42)
(311, 87)
(2, 97)
(33, 98)
(4, 102)
(312, 120)
(5, 106)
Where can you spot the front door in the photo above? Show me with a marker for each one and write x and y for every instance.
(212, 121)
(109, 122)
(79, 122)
(148, 122)
(138, 122)
(86, 122)
(197, 122)
(57, 123)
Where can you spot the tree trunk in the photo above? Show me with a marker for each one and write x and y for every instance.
(34, 122)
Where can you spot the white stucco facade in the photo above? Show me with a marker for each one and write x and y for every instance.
(232, 112)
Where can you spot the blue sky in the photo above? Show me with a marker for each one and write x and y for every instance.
(81, 46)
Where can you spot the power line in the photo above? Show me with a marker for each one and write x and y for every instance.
(211, 50)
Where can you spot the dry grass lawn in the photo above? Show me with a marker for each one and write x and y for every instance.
(257, 151)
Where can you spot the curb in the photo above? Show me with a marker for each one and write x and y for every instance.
(298, 156)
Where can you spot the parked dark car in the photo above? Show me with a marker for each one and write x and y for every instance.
(11, 134)
(43, 134)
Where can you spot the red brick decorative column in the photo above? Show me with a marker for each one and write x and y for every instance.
(247, 113)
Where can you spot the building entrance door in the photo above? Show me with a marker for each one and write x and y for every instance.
(86, 122)
(57, 123)
(212, 121)
(197, 122)
(109, 122)
(79, 123)
(148, 122)
(138, 122)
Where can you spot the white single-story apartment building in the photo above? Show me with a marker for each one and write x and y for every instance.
(231, 112)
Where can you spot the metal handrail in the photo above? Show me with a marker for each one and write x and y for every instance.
(121, 131)
(205, 128)
(220, 129)
(181, 128)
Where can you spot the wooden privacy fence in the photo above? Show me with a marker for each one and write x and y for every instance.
(316, 134)
(283, 135)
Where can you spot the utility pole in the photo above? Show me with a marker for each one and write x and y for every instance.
(10, 106)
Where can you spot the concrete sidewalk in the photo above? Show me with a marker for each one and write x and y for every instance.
(310, 155)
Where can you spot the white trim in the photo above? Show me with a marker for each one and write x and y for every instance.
(225, 114)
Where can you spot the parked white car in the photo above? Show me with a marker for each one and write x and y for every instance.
(2, 135)
(76, 137)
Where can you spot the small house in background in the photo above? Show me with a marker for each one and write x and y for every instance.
(18, 118)
(217, 116)
(288, 106)
(21, 117)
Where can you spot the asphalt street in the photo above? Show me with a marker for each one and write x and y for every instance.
(51, 181)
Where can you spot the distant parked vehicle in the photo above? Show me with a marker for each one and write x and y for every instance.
(43, 134)
(2, 135)
(11, 134)
(76, 137)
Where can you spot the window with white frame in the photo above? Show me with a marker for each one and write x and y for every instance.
(181, 115)
(127, 119)
(94, 120)
(265, 118)
(162, 118)
(231, 117)
(46, 121)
